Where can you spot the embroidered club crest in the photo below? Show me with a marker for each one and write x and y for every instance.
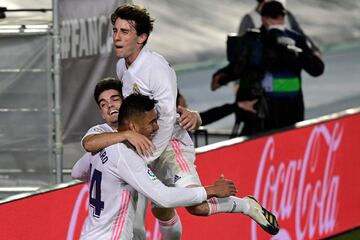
(136, 89)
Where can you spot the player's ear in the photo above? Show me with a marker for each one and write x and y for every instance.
(131, 126)
(142, 38)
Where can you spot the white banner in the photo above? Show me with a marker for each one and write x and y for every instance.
(86, 57)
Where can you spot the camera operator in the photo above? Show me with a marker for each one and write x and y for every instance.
(268, 61)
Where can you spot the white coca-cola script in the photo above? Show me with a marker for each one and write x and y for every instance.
(81, 202)
(303, 190)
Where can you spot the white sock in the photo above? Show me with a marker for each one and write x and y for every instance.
(228, 205)
(171, 229)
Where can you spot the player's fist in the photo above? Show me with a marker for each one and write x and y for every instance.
(222, 188)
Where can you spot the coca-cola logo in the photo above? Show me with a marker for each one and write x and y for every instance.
(302, 190)
(79, 213)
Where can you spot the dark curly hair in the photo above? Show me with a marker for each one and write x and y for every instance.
(134, 106)
(107, 84)
(138, 14)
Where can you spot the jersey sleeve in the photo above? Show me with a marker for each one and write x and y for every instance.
(81, 169)
(163, 85)
(98, 129)
(134, 171)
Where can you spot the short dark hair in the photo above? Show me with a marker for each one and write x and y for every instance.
(107, 84)
(273, 9)
(136, 13)
(134, 105)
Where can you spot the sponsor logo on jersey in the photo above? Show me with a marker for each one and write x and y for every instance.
(151, 174)
(176, 178)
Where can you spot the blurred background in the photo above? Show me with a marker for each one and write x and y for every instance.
(191, 35)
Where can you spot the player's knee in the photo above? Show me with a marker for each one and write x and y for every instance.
(198, 210)
(163, 214)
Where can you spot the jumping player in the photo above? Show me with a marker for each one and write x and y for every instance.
(149, 73)
(107, 95)
(146, 72)
(117, 172)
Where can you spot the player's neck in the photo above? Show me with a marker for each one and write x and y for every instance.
(122, 128)
(130, 59)
(113, 126)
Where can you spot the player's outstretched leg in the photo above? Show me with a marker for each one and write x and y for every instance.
(263, 217)
(248, 206)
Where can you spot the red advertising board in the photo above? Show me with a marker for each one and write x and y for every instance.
(307, 176)
(58, 214)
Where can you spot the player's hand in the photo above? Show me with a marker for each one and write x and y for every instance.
(215, 83)
(248, 105)
(222, 188)
(142, 144)
(189, 120)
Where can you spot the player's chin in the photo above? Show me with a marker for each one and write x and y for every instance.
(119, 53)
(113, 118)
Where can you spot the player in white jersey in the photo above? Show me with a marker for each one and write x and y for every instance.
(117, 171)
(107, 95)
(146, 72)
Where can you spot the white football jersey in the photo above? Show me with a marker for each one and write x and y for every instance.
(97, 129)
(116, 174)
(151, 75)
